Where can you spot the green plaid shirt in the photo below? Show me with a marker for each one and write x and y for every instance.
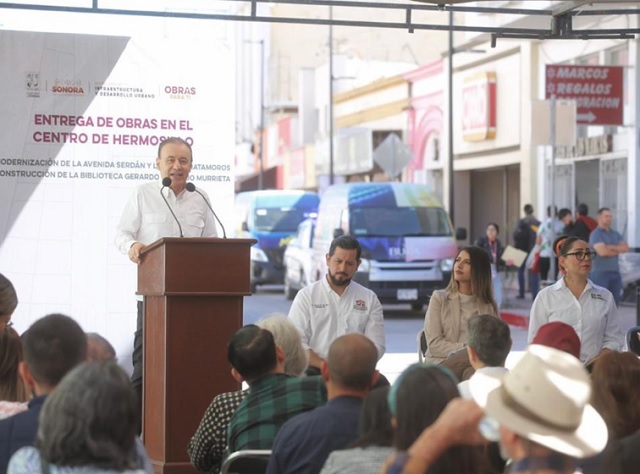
(272, 400)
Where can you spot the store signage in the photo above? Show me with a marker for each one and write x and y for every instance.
(479, 107)
(597, 90)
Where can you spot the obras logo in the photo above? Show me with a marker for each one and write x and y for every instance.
(180, 92)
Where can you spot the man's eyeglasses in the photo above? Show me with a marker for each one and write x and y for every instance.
(582, 255)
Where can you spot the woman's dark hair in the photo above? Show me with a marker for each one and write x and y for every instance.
(565, 247)
(616, 392)
(90, 419)
(422, 395)
(8, 297)
(375, 420)
(481, 280)
(12, 387)
(494, 225)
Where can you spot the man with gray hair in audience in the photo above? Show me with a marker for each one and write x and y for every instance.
(98, 348)
(488, 347)
(209, 443)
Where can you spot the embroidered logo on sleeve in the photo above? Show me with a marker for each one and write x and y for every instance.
(360, 305)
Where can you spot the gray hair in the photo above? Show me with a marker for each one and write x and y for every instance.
(98, 348)
(286, 335)
(90, 418)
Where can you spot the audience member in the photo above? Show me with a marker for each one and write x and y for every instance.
(303, 443)
(616, 395)
(582, 213)
(469, 293)
(8, 301)
(369, 452)
(52, 346)
(336, 305)
(575, 300)
(274, 396)
(546, 422)
(416, 400)
(98, 348)
(494, 248)
(87, 426)
(524, 238)
(209, 443)
(489, 346)
(547, 232)
(560, 336)
(13, 391)
(608, 243)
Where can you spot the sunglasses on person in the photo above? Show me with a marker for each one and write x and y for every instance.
(580, 255)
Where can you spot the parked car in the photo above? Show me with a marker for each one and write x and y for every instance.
(271, 217)
(299, 266)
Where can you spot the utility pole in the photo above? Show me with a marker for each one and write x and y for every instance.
(331, 178)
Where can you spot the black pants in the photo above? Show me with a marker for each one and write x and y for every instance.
(136, 359)
(545, 266)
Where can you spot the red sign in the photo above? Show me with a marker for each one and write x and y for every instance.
(479, 107)
(597, 91)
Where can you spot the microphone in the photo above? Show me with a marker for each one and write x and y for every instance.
(191, 188)
(167, 182)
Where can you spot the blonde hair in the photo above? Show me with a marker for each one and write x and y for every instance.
(481, 281)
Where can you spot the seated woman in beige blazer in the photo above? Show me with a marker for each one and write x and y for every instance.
(469, 292)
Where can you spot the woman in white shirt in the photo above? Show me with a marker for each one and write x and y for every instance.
(575, 300)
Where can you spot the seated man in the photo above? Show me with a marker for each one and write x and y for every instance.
(488, 347)
(335, 305)
(52, 346)
(304, 442)
(274, 396)
(209, 443)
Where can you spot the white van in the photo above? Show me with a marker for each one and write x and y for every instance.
(408, 242)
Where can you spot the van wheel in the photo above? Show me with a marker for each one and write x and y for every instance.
(289, 293)
(417, 306)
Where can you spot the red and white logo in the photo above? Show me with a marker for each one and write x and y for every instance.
(479, 107)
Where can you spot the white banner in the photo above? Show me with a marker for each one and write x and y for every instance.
(81, 120)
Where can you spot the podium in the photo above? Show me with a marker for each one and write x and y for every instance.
(193, 291)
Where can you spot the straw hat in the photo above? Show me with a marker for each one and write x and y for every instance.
(545, 399)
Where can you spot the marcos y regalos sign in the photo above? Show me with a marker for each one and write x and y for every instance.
(597, 91)
(479, 107)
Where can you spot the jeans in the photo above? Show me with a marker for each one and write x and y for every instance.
(497, 289)
(612, 281)
(534, 281)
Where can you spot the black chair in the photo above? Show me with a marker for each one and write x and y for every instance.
(421, 340)
(633, 340)
(248, 461)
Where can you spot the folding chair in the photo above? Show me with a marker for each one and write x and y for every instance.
(421, 341)
(633, 340)
(248, 461)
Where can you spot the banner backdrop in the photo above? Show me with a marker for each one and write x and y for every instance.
(81, 120)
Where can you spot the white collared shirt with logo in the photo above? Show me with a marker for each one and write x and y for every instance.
(593, 316)
(321, 315)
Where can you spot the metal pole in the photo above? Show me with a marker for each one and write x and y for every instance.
(450, 162)
(331, 178)
(552, 184)
(262, 81)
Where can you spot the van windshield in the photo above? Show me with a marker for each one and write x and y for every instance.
(279, 219)
(400, 221)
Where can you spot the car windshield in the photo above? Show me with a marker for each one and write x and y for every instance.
(279, 219)
(400, 221)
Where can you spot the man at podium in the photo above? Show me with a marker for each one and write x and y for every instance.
(162, 209)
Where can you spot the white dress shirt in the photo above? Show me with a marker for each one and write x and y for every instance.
(593, 316)
(146, 217)
(321, 315)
